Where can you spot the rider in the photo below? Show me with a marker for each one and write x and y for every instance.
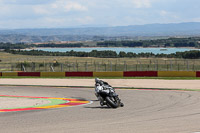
(102, 86)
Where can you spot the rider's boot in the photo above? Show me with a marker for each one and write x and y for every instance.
(121, 105)
(101, 103)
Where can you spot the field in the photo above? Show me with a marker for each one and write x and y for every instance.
(10, 62)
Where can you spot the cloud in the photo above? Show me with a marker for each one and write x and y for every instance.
(55, 21)
(75, 6)
(169, 17)
(164, 13)
(5, 10)
(196, 19)
(142, 3)
(168, 14)
(68, 6)
(41, 10)
(59, 7)
(85, 20)
(65, 13)
(60, 22)
(25, 2)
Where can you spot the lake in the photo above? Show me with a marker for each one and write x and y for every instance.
(134, 50)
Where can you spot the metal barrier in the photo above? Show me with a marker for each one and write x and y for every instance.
(104, 66)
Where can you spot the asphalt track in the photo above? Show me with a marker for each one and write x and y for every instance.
(145, 111)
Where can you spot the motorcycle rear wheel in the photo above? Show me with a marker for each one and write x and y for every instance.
(112, 102)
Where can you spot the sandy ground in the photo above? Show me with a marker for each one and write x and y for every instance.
(20, 102)
(140, 83)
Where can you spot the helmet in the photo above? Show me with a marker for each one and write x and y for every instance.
(97, 80)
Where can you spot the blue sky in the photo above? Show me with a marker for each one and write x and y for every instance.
(15, 14)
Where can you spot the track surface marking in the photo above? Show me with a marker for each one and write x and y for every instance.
(55, 103)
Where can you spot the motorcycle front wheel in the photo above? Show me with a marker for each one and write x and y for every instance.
(113, 102)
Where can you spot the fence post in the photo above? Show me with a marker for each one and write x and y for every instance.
(157, 65)
(110, 66)
(187, 65)
(12, 67)
(140, 66)
(76, 66)
(21, 67)
(125, 69)
(193, 67)
(61, 67)
(86, 66)
(170, 65)
(69, 66)
(116, 65)
(33, 66)
(137, 66)
(45, 66)
(178, 67)
(167, 67)
(98, 66)
(95, 66)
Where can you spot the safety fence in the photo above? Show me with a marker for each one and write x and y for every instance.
(104, 74)
(104, 65)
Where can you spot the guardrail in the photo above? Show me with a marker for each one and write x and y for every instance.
(104, 65)
(104, 74)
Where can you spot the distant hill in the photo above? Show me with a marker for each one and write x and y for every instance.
(100, 33)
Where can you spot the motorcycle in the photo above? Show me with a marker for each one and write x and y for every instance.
(106, 94)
